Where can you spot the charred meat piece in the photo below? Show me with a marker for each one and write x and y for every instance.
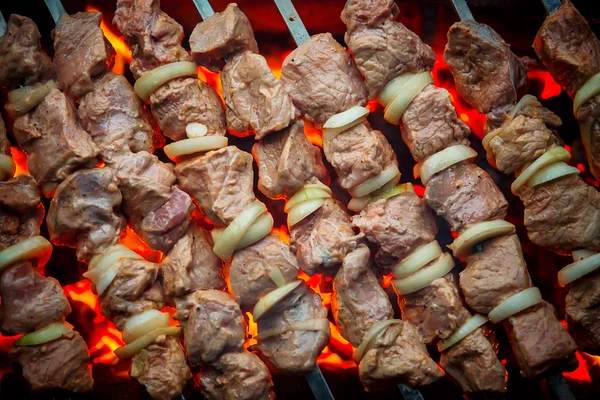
(222, 36)
(162, 368)
(256, 100)
(398, 226)
(583, 310)
(249, 271)
(22, 61)
(358, 300)
(589, 112)
(60, 364)
(21, 212)
(55, 143)
(80, 52)
(430, 124)
(286, 161)
(464, 195)
(322, 79)
(226, 179)
(383, 48)
(294, 350)
(30, 301)
(84, 212)
(191, 265)
(236, 376)
(212, 325)
(487, 74)
(115, 118)
(4, 142)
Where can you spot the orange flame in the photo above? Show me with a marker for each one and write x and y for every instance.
(314, 135)
(251, 331)
(282, 233)
(132, 241)
(20, 159)
(547, 87)
(123, 55)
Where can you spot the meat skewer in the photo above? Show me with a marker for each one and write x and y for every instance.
(522, 137)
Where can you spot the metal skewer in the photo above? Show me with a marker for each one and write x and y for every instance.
(551, 5)
(3, 26)
(56, 9)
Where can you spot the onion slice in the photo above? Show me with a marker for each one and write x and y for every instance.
(44, 335)
(143, 323)
(21, 100)
(194, 145)
(269, 300)
(590, 89)
(105, 280)
(515, 304)
(133, 348)
(579, 255)
(103, 268)
(393, 87)
(226, 242)
(376, 182)
(314, 325)
(338, 123)
(550, 157)
(7, 167)
(370, 337)
(152, 80)
(477, 233)
(405, 95)
(276, 276)
(195, 130)
(303, 195)
(258, 230)
(318, 185)
(551, 172)
(34, 247)
(417, 259)
(357, 204)
(488, 138)
(469, 327)
(303, 210)
(578, 269)
(519, 106)
(443, 159)
(423, 277)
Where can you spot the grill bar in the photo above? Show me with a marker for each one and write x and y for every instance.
(56, 9)
(551, 5)
(293, 21)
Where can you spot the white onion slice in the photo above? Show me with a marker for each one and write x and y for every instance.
(357, 204)
(576, 270)
(277, 277)
(393, 87)
(488, 138)
(7, 167)
(338, 123)
(144, 322)
(258, 230)
(519, 106)
(469, 327)
(195, 130)
(550, 157)
(109, 260)
(152, 80)
(34, 247)
(21, 100)
(133, 348)
(590, 89)
(305, 194)
(443, 159)
(551, 172)
(515, 304)
(314, 325)
(371, 336)
(579, 255)
(417, 259)
(406, 94)
(477, 233)
(423, 278)
(376, 182)
(44, 335)
(226, 242)
(194, 145)
(303, 210)
(105, 280)
(269, 300)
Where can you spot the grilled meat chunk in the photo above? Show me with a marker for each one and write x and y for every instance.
(222, 36)
(430, 124)
(212, 325)
(80, 52)
(322, 79)
(293, 350)
(464, 195)
(4, 142)
(250, 267)
(162, 369)
(358, 300)
(55, 143)
(583, 310)
(115, 118)
(236, 376)
(191, 265)
(60, 364)
(383, 48)
(256, 100)
(30, 301)
(84, 212)
(487, 74)
(21, 212)
(22, 61)
(398, 226)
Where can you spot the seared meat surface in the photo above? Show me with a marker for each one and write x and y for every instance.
(487, 74)
(236, 376)
(80, 52)
(60, 364)
(4, 142)
(21, 212)
(583, 310)
(22, 61)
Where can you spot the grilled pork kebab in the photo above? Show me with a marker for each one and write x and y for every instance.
(561, 210)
